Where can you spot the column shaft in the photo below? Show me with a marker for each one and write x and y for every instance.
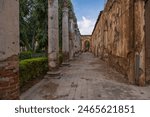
(9, 49)
(65, 34)
(53, 34)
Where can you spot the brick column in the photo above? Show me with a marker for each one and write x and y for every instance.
(53, 34)
(65, 34)
(9, 49)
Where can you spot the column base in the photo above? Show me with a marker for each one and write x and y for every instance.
(53, 75)
(66, 57)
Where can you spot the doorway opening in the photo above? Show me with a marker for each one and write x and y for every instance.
(87, 46)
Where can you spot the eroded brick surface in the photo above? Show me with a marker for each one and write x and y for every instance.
(9, 78)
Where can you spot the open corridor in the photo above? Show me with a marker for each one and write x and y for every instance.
(86, 78)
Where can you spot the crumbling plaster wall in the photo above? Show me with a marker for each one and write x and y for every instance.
(118, 37)
(111, 34)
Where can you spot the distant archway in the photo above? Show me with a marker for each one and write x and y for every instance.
(86, 43)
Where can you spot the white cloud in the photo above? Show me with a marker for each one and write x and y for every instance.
(86, 26)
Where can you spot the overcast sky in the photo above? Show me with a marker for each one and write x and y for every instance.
(87, 12)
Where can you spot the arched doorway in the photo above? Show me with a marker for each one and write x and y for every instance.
(86, 46)
(86, 43)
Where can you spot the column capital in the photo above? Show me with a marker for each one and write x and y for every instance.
(65, 3)
(65, 9)
(71, 16)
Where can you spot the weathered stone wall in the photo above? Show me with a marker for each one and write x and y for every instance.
(111, 34)
(9, 49)
(118, 38)
(147, 30)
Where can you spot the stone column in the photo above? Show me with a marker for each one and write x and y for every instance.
(65, 34)
(9, 49)
(71, 38)
(79, 40)
(76, 40)
(53, 34)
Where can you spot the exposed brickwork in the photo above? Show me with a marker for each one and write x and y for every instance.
(9, 78)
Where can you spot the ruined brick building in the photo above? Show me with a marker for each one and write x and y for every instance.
(121, 38)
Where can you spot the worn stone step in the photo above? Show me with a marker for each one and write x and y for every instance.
(65, 64)
(54, 77)
(54, 73)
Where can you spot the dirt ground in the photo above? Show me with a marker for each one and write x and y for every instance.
(87, 78)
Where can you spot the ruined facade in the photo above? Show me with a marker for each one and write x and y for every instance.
(9, 49)
(119, 38)
(86, 43)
